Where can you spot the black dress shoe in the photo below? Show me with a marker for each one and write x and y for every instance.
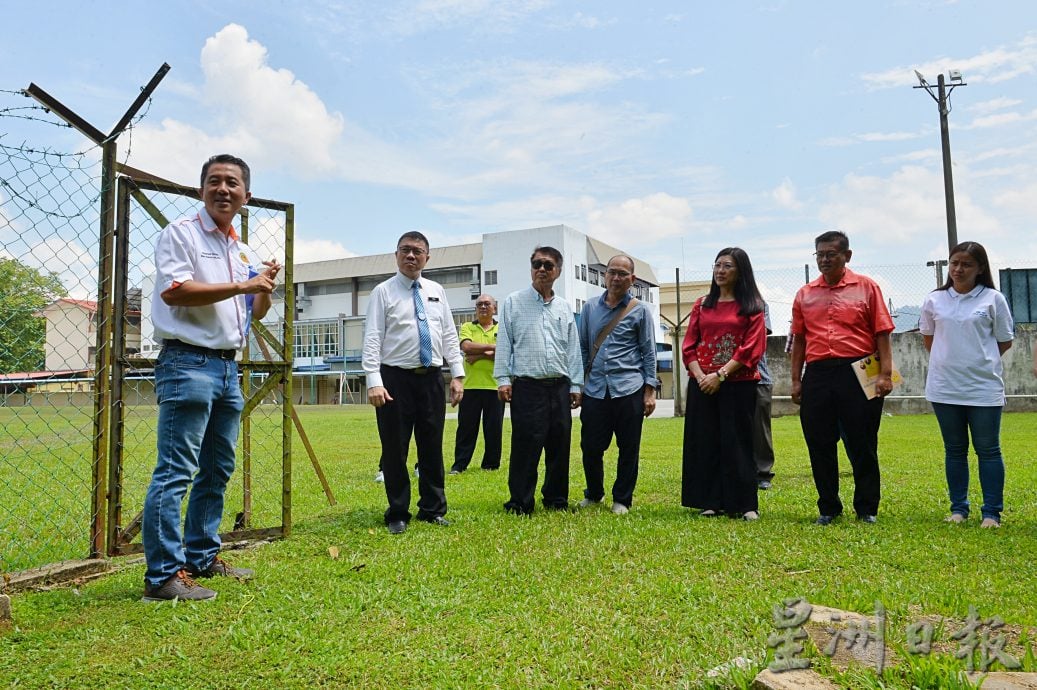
(438, 520)
(397, 527)
(824, 520)
(870, 519)
(763, 484)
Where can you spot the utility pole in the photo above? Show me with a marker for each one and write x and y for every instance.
(942, 98)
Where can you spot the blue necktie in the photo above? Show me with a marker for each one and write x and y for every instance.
(424, 338)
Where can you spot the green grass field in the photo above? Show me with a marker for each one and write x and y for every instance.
(584, 600)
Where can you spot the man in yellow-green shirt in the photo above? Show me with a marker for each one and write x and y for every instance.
(479, 344)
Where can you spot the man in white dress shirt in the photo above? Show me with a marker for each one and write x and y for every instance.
(409, 335)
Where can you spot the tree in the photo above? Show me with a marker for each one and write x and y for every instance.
(24, 291)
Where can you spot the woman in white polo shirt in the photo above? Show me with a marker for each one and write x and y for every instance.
(966, 326)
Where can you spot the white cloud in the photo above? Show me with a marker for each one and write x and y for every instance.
(579, 20)
(785, 195)
(319, 250)
(893, 216)
(997, 65)
(263, 114)
(994, 104)
(872, 137)
(1001, 119)
(487, 15)
(73, 264)
(1022, 200)
(642, 220)
(887, 136)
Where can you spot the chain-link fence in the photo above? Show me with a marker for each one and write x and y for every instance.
(904, 286)
(262, 479)
(49, 215)
(77, 402)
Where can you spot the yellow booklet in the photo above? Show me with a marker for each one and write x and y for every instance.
(867, 370)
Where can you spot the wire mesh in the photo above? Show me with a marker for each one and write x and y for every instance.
(50, 330)
(254, 496)
(49, 215)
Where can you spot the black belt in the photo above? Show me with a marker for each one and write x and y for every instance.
(420, 371)
(174, 344)
(832, 362)
(550, 381)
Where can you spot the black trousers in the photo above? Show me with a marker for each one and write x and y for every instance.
(599, 420)
(763, 445)
(832, 400)
(418, 406)
(476, 403)
(719, 472)
(541, 420)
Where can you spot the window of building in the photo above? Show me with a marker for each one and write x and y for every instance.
(577, 267)
(583, 272)
(490, 278)
(317, 339)
(593, 273)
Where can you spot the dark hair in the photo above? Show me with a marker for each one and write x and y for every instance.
(748, 296)
(833, 236)
(246, 174)
(551, 252)
(414, 235)
(977, 252)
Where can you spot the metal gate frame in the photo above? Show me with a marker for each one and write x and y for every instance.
(119, 537)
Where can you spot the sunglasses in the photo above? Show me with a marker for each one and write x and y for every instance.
(540, 263)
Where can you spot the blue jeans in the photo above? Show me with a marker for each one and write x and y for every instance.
(199, 410)
(956, 421)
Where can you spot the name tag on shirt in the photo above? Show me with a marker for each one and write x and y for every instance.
(433, 299)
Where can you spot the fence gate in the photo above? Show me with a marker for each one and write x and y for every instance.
(258, 502)
(77, 396)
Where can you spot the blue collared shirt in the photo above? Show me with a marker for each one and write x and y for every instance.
(625, 363)
(537, 339)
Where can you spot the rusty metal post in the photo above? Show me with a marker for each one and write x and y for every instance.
(244, 518)
(102, 353)
(120, 283)
(288, 408)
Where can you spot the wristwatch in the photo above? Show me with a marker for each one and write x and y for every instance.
(721, 375)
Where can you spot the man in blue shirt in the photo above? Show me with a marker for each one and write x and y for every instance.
(539, 371)
(617, 338)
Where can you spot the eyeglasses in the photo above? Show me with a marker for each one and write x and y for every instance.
(484, 304)
(541, 263)
(613, 273)
(827, 255)
(416, 251)
(723, 265)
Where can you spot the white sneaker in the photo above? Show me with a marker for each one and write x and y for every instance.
(380, 477)
(620, 509)
(586, 503)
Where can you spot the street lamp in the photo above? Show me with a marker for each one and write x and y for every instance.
(942, 98)
(938, 268)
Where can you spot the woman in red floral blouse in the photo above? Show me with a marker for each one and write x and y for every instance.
(725, 339)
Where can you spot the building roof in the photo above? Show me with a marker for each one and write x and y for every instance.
(35, 376)
(603, 251)
(384, 264)
(87, 304)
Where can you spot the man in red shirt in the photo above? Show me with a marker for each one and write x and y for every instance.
(837, 319)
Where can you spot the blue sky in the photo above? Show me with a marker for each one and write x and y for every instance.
(670, 129)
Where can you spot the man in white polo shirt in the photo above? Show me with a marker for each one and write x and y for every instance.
(207, 286)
